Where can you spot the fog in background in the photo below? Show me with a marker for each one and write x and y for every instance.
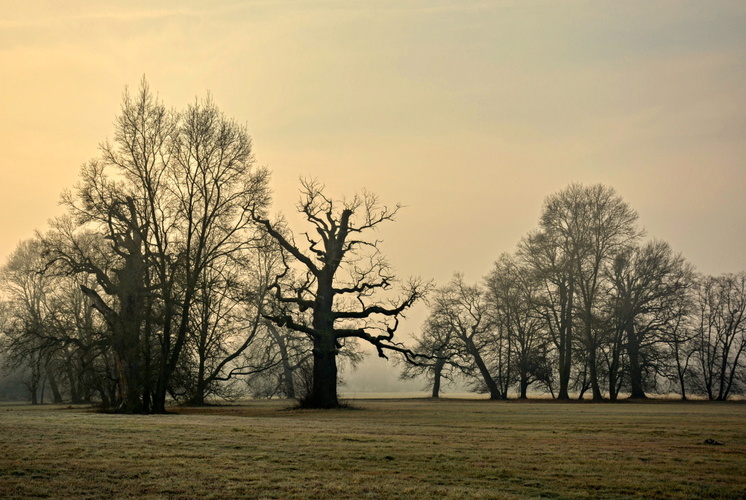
(467, 114)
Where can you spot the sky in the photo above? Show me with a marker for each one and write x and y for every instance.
(467, 113)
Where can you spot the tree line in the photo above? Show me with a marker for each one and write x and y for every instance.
(585, 306)
(167, 280)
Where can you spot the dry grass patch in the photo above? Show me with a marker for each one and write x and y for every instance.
(384, 449)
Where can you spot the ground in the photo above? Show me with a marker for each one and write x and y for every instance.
(416, 448)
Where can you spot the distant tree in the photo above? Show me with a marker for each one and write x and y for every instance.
(28, 316)
(550, 265)
(281, 364)
(582, 228)
(649, 286)
(48, 331)
(439, 349)
(332, 298)
(227, 322)
(720, 335)
(679, 338)
(512, 296)
(462, 311)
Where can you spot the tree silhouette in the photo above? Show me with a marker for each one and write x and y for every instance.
(332, 291)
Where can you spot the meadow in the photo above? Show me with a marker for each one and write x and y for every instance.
(388, 448)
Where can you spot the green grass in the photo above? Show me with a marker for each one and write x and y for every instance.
(382, 449)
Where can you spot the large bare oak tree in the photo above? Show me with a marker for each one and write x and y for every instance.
(337, 286)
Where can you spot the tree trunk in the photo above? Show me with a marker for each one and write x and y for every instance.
(287, 371)
(635, 369)
(198, 398)
(524, 386)
(613, 373)
(324, 388)
(565, 347)
(592, 355)
(74, 384)
(593, 373)
(129, 389)
(437, 373)
(488, 380)
(683, 386)
(287, 368)
(161, 385)
(564, 371)
(56, 396)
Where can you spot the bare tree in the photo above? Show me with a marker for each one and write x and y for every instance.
(581, 230)
(171, 196)
(332, 299)
(462, 310)
(679, 337)
(284, 364)
(551, 266)
(29, 317)
(439, 349)
(48, 326)
(649, 284)
(512, 295)
(212, 184)
(721, 335)
(228, 321)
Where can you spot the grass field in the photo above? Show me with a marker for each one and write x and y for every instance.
(382, 449)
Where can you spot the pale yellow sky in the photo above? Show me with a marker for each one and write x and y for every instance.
(469, 113)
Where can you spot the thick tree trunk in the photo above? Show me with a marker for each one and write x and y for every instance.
(56, 396)
(129, 388)
(437, 374)
(635, 368)
(524, 386)
(198, 398)
(126, 355)
(74, 384)
(324, 388)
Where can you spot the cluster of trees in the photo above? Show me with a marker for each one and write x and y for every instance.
(585, 305)
(141, 288)
(167, 280)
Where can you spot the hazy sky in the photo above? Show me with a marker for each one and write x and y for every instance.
(468, 113)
